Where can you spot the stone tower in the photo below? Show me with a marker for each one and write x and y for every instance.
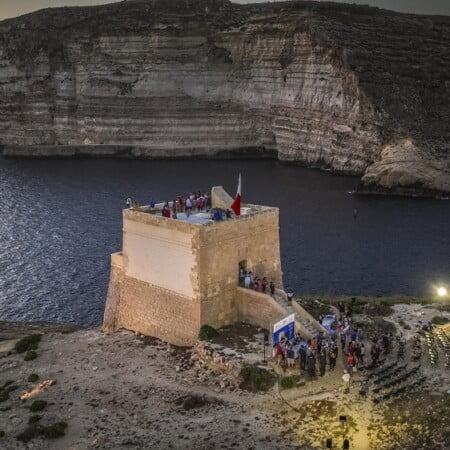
(175, 275)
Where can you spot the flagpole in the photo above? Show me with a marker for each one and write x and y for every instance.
(236, 205)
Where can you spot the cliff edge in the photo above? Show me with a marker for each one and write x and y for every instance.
(347, 88)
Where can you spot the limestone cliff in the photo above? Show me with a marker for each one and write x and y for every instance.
(334, 86)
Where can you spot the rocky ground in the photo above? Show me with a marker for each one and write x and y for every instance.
(121, 391)
(126, 391)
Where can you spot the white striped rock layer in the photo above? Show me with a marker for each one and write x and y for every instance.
(338, 87)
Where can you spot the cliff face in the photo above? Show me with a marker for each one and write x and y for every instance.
(325, 85)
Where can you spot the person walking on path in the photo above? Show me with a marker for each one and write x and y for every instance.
(333, 357)
(357, 354)
(362, 352)
(350, 363)
(346, 379)
(343, 340)
(311, 365)
(360, 334)
(302, 357)
(290, 355)
(322, 362)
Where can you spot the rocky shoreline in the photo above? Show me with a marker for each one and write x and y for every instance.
(130, 152)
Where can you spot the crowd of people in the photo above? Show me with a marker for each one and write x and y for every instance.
(313, 355)
(317, 355)
(195, 201)
(249, 281)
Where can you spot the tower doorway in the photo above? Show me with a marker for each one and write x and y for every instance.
(242, 271)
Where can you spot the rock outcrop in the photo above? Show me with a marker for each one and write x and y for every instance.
(334, 86)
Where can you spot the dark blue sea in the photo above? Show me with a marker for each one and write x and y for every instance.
(61, 219)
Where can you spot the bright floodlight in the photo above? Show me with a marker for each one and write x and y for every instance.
(441, 291)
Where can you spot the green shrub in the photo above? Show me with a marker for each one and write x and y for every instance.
(439, 320)
(34, 418)
(6, 389)
(33, 377)
(406, 326)
(207, 332)
(256, 378)
(54, 431)
(30, 355)
(29, 342)
(289, 381)
(38, 405)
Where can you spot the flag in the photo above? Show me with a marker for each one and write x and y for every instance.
(236, 205)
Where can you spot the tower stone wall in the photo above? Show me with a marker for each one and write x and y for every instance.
(174, 276)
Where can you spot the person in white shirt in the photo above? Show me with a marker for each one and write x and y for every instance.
(247, 281)
(188, 206)
(346, 379)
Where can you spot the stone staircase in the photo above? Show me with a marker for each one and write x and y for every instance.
(305, 322)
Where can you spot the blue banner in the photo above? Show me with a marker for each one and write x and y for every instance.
(284, 329)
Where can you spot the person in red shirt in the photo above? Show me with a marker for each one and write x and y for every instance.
(181, 204)
(200, 203)
(314, 345)
(264, 284)
(350, 363)
(279, 353)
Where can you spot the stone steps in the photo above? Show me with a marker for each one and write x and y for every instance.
(308, 328)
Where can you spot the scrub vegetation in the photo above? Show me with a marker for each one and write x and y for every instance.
(207, 332)
(439, 320)
(289, 381)
(38, 405)
(256, 378)
(54, 431)
(30, 355)
(27, 343)
(5, 390)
